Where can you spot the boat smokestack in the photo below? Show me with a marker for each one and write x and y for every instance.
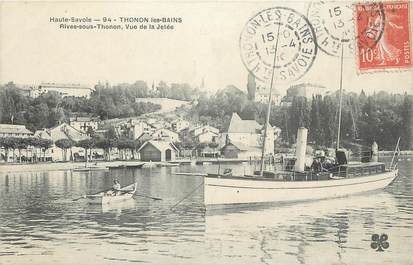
(374, 152)
(300, 149)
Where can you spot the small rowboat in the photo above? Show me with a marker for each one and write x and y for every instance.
(87, 169)
(106, 197)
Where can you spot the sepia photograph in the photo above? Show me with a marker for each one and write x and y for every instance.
(206, 132)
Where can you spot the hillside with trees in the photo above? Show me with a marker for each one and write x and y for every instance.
(106, 102)
(380, 117)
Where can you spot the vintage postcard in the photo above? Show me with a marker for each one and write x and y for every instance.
(206, 132)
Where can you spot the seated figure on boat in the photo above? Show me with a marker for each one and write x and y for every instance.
(316, 166)
(116, 188)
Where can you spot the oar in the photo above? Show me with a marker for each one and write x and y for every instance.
(82, 197)
(153, 198)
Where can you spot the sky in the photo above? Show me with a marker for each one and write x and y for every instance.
(205, 46)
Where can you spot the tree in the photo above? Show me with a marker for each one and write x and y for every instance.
(163, 89)
(45, 144)
(213, 146)
(298, 114)
(111, 133)
(86, 144)
(251, 86)
(200, 147)
(126, 144)
(369, 121)
(327, 111)
(7, 144)
(316, 132)
(32, 142)
(21, 144)
(406, 119)
(64, 144)
(90, 131)
(13, 144)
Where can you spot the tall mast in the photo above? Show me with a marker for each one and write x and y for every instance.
(341, 97)
(267, 121)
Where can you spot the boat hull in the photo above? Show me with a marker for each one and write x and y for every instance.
(229, 191)
(103, 198)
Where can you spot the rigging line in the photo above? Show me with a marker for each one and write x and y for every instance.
(341, 96)
(189, 194)
(333, 135)
(269, 103)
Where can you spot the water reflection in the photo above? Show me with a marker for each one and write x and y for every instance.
(298, 233)
(41, 224)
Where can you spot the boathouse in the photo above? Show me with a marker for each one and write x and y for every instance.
(239, 150)
(158, 151)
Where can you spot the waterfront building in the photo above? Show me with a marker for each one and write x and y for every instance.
(158, 151)
(61, 131)
(16, 131)
(12, 130)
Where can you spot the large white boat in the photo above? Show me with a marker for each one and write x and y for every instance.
(296, 186)
(333, 179)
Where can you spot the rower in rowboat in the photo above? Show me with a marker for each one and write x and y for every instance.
(116, 189)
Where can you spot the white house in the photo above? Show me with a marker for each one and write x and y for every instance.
(158, 124)
(249, 133)
(84, 123)
(201, 129)
(179, 125)
(32, 91)
(240, 150)
(207, 137)
(138, 127)
(165, 134)
(262, 94)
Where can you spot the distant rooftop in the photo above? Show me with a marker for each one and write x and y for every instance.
(83, 119)
(11, 128)
(57, 85)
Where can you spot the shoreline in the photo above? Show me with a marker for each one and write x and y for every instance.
(56, 166)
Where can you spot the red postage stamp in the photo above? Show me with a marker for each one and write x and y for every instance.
(383, 35)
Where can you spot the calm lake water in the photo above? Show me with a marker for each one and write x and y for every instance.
(40, 224)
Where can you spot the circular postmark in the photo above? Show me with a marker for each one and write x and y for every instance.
(333, 24)
(278, 39)
(370, 21)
